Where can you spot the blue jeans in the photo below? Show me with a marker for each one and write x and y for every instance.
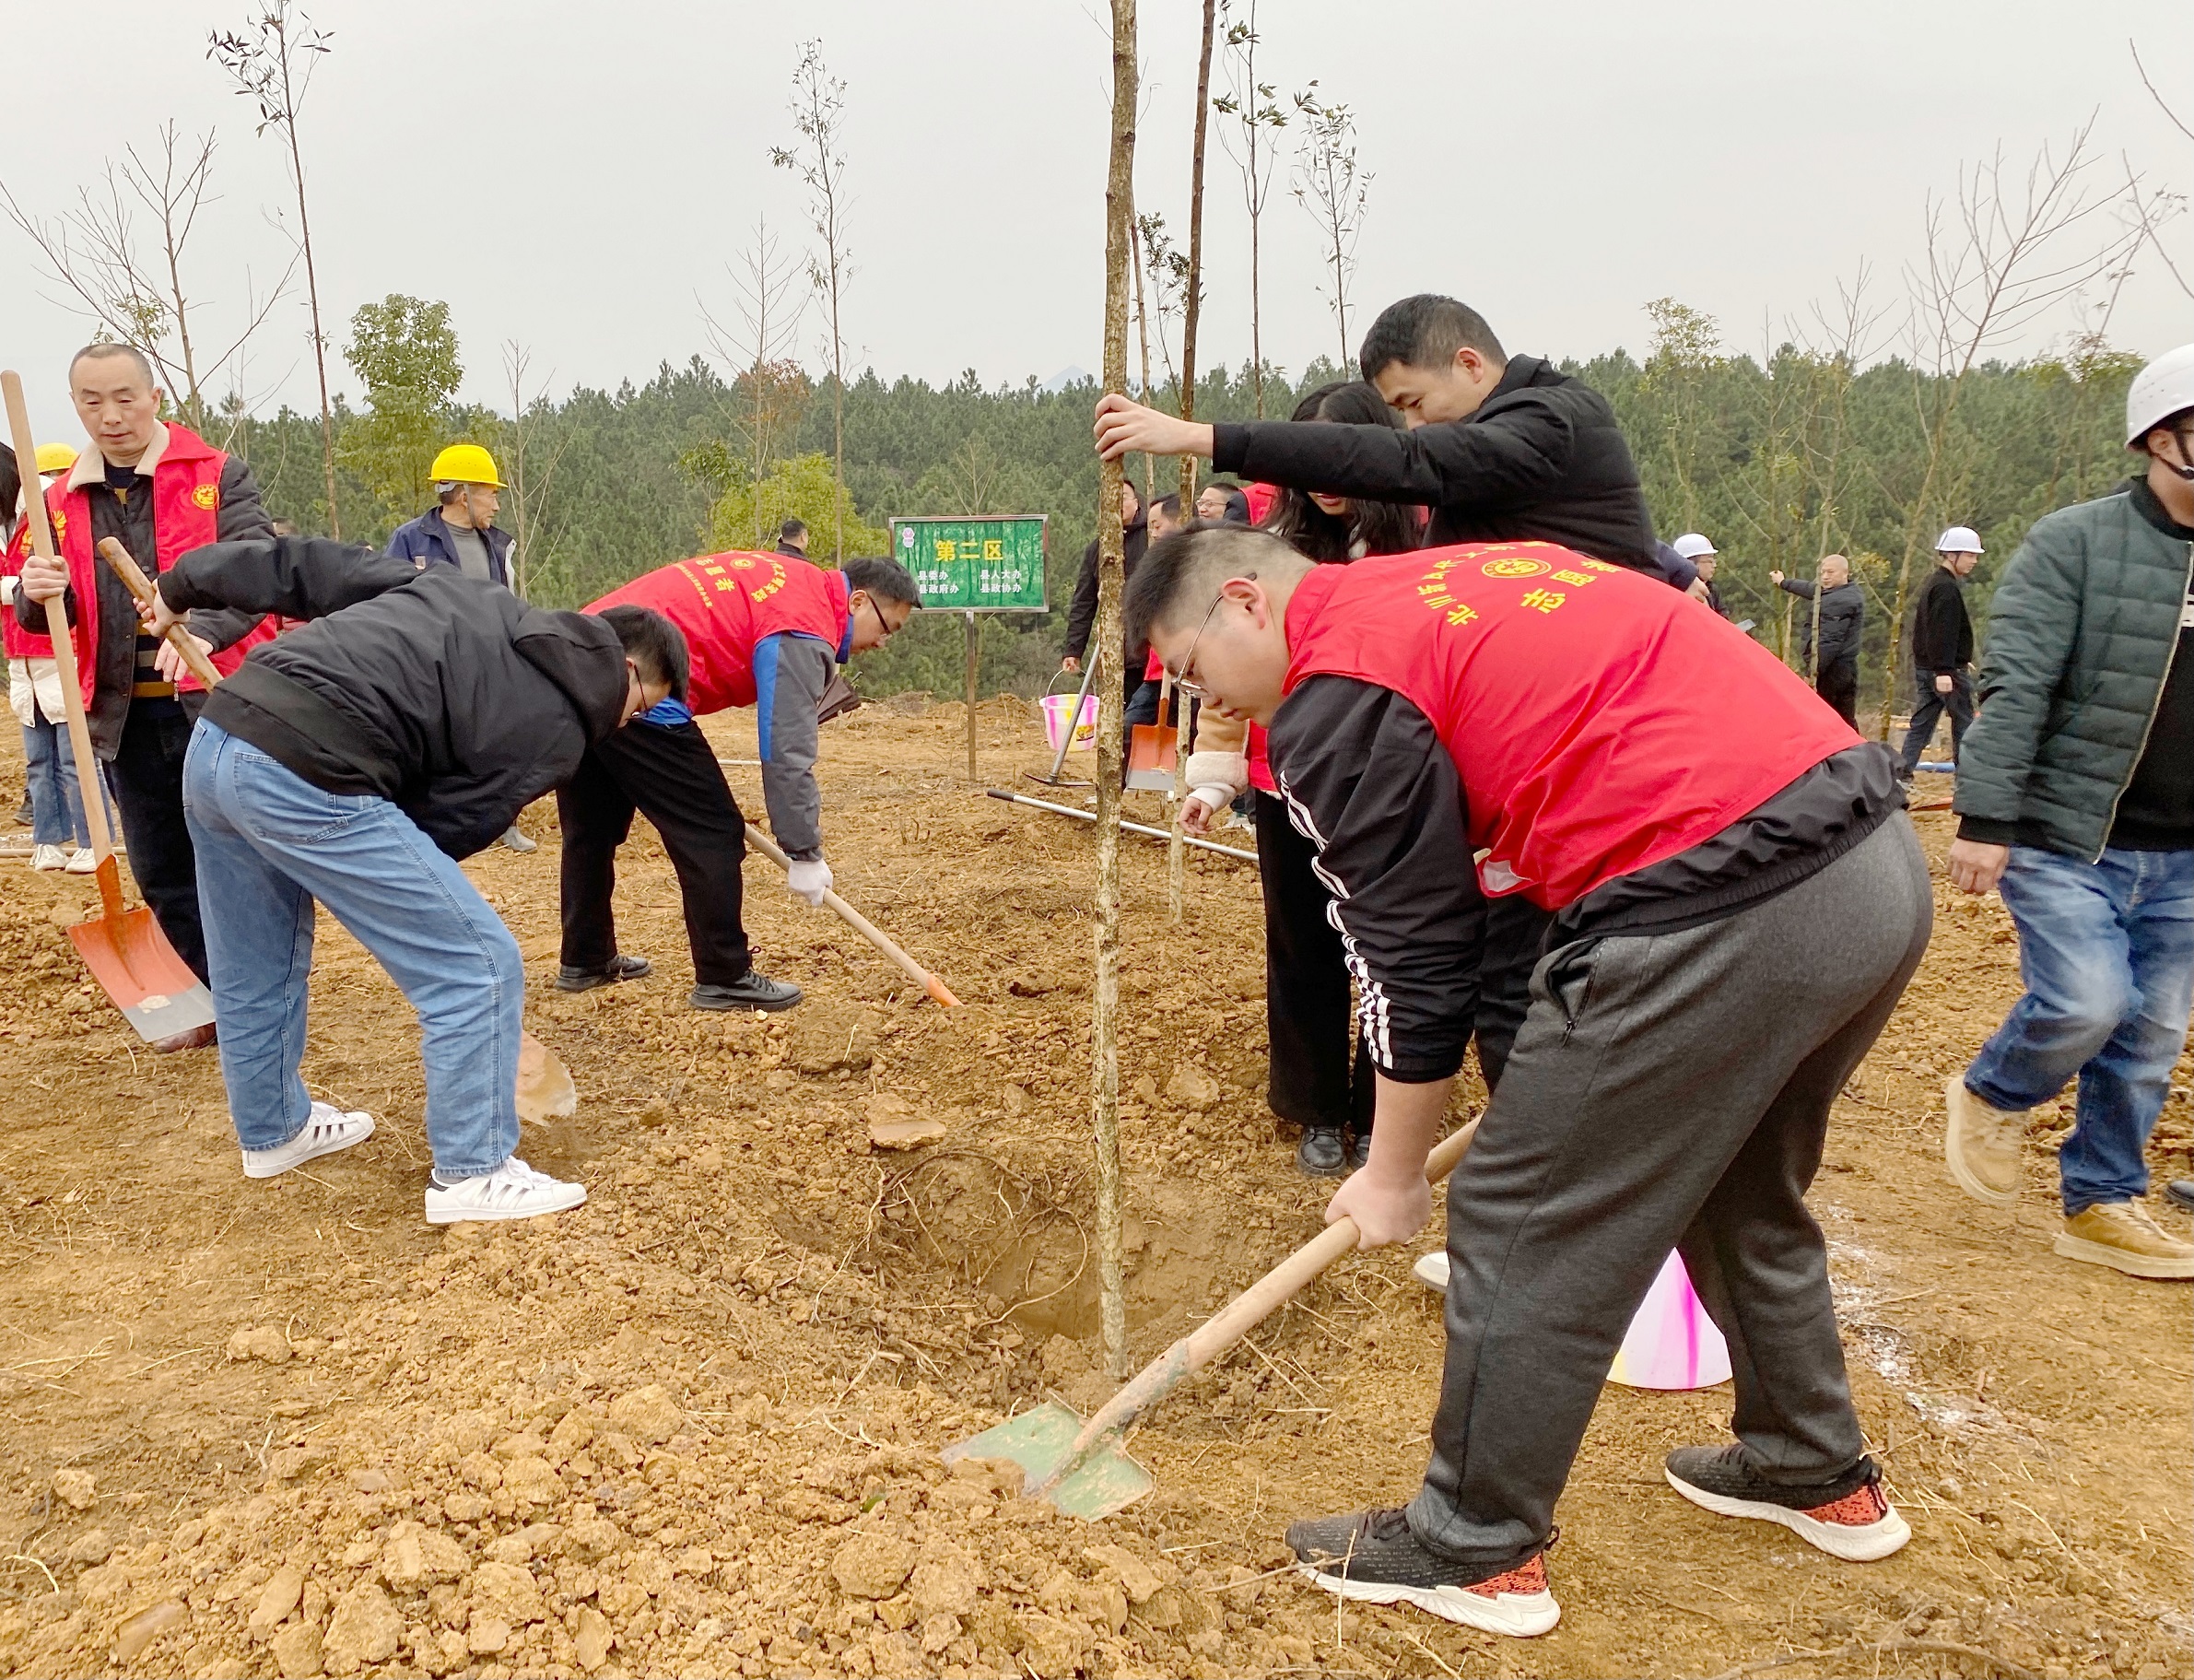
(2107, 951)
(269, 846)
(57, 811)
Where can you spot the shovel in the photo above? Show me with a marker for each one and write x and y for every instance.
(125, 950)
(1152, 749)
(1082, 1467)
(545, 1086)
(861, 924)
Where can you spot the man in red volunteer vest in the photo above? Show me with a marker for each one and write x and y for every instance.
(766, 630)
(162, 491)
(1731, 928)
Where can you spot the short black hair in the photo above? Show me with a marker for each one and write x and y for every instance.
(11, 483)
(105, 348)
(1167, 505)
(1425, 331)
(1197, 560)
(655, 645)
(883, 580)
(793, 530)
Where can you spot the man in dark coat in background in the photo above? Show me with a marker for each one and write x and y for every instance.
(1843, 618)
(1942, 646)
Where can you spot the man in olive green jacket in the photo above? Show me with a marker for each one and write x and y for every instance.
(2076, 799)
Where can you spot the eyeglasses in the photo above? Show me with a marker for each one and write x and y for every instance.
(1187, 683)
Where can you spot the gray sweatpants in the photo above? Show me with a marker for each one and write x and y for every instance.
(1666, 1091)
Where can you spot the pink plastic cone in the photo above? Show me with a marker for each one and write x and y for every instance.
(1672, 1344)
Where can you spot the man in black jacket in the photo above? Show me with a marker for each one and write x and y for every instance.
(351, 763)
(1500, 448)
(1843, 618)
(1081, 613)
(1942, 646)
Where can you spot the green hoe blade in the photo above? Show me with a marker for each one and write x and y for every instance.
(1105, 1482)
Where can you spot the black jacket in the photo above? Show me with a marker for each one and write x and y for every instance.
(1541, 459)
(1842, 617)
(1942, 629)
(447, 695)
(1081, 613)
(241, 517)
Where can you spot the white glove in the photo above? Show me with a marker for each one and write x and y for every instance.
(809, 881)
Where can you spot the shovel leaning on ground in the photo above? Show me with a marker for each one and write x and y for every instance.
(545, 1086)
(1151, 747)
(124, 950)
(1082, 1467)
(861, 924)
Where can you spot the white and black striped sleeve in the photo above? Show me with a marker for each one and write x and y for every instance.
(1368, 780)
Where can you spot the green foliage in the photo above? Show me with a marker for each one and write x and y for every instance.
(748, 514)
(404, 351)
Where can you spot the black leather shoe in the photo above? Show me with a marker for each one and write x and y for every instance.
(752, 990)
(609, 974)
(1322, 1153)
(1359, 1152)
(2179, 1192)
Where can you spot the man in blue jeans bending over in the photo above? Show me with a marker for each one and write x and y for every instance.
(351, 763)
(2076, 800)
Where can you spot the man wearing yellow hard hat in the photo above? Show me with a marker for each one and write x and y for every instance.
(459, 531)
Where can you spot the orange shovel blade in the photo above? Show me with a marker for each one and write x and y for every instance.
(136, 967)
(1152, 748)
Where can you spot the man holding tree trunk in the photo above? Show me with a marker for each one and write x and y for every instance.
(1730, 931)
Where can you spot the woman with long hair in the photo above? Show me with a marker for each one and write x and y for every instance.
(1320, 1078)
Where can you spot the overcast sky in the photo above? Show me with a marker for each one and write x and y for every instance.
(570, 176)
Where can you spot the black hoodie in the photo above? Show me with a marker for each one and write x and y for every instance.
(448, 696)
(1541, 459)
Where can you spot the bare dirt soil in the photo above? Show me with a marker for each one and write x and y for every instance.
(693, 1429)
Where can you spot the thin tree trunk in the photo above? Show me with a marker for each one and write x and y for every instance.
(838, 410)
(1119, 195)
(304, 229)
(1176, 853)
(1150, 464)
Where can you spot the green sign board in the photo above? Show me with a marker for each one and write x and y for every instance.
(974, 565)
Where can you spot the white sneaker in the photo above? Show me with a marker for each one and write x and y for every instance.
(513, 1191)
(1431, 1270)
(48, 858)
(327, 1129)
(84, 862)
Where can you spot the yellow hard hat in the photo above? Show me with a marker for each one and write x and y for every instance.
(466, 464)
(55, 457)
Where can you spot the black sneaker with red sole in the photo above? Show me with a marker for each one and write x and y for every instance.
(1849, 1518)
(1371, 1556)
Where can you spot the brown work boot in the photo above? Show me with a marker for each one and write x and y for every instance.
(2125, 1237)
(1982, 1145)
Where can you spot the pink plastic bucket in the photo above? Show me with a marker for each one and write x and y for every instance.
(1058, 710)
(1672, 1344)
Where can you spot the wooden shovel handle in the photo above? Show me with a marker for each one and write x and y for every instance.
(132, 575)
(860, 924)
(1241, 1315)
(62, 635)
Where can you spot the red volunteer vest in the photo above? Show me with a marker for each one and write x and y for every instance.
(1600, 721)
(186, 509)
(728, 602)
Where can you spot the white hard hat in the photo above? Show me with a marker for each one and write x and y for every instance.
(1959, 539)
(1691, 545)
(2162, 389)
